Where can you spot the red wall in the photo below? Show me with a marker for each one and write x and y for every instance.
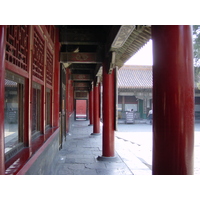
(81, 108)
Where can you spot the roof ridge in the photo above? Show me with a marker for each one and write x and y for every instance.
(149, 68)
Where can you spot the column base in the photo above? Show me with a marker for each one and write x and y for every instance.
(108, 159)
(95, 134)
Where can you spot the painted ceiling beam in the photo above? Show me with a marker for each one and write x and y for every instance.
(68, 57)
(82, 77)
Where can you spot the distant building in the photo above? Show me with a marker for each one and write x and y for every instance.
(135, 91)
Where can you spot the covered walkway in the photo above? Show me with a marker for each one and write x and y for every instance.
(47, 69)
(81, 150)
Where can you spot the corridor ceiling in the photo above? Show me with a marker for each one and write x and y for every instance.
(85, 47)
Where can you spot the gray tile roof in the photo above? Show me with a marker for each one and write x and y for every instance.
(9, 83)
(135, 77)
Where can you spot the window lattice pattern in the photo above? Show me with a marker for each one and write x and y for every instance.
(49, 72)
(51, 31)
(38, 56)
(17, 45)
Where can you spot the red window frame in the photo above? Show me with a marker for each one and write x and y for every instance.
(27, 73)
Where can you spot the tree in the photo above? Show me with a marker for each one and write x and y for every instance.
(196, 51)
(196, 43)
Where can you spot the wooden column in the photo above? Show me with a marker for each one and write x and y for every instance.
(91, 102)
(108, 144)
(123, 103)
(173, 100)
(2, 91)
(108, 113)
(67, 100)
(96, 109)
(56, 86)
(28, 95)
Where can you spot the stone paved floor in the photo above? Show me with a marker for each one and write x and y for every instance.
(80, 151)
(139, 137)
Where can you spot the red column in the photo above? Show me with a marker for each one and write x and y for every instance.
(72, 97)
(108, 113)
(56, 90)
(67, 100)
(28, 96)
(91, 106)
(96, 114)
(173, 100)
(2, 86)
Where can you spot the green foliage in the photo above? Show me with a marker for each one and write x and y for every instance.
(197, 76)
(196, 44)
(196, 51)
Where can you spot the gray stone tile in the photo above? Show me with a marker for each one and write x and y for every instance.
(76, 156)
(126, 172)
(89, 156)
(80, 151)
(116, 165)
(70, 160)
(85, 172)
(61, 170)
(98, 165)
(65, 172)
(136, 165)
(108, 172)
(92, 148)
(97, 153)
(73, 166)
(84, 160)
(142, 172)
(61, 159)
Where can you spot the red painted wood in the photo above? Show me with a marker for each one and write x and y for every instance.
(79, 57)
(69, 97)
(72, 97)
(81, 77)
(29, 96)
(38, 54)
(20, 163)
(16, 69)
(43, 90)
(91, 103)
(96, 118)
(173, 100)
(108, 113)
(17, 162)
(81, 108)
(2, 86)
(17, 38)
(67, 100)
(56, 82)
(43, 100)
(26, 114)
(37, 80)
(50, 32)
(49, 66)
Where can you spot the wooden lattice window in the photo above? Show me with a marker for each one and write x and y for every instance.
(49, 71)
(51, 31)
(48, 107)
(17, 45)
(14, 114)
(36, 109)
(38, 56)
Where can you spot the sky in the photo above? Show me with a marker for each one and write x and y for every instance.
(143, 56)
